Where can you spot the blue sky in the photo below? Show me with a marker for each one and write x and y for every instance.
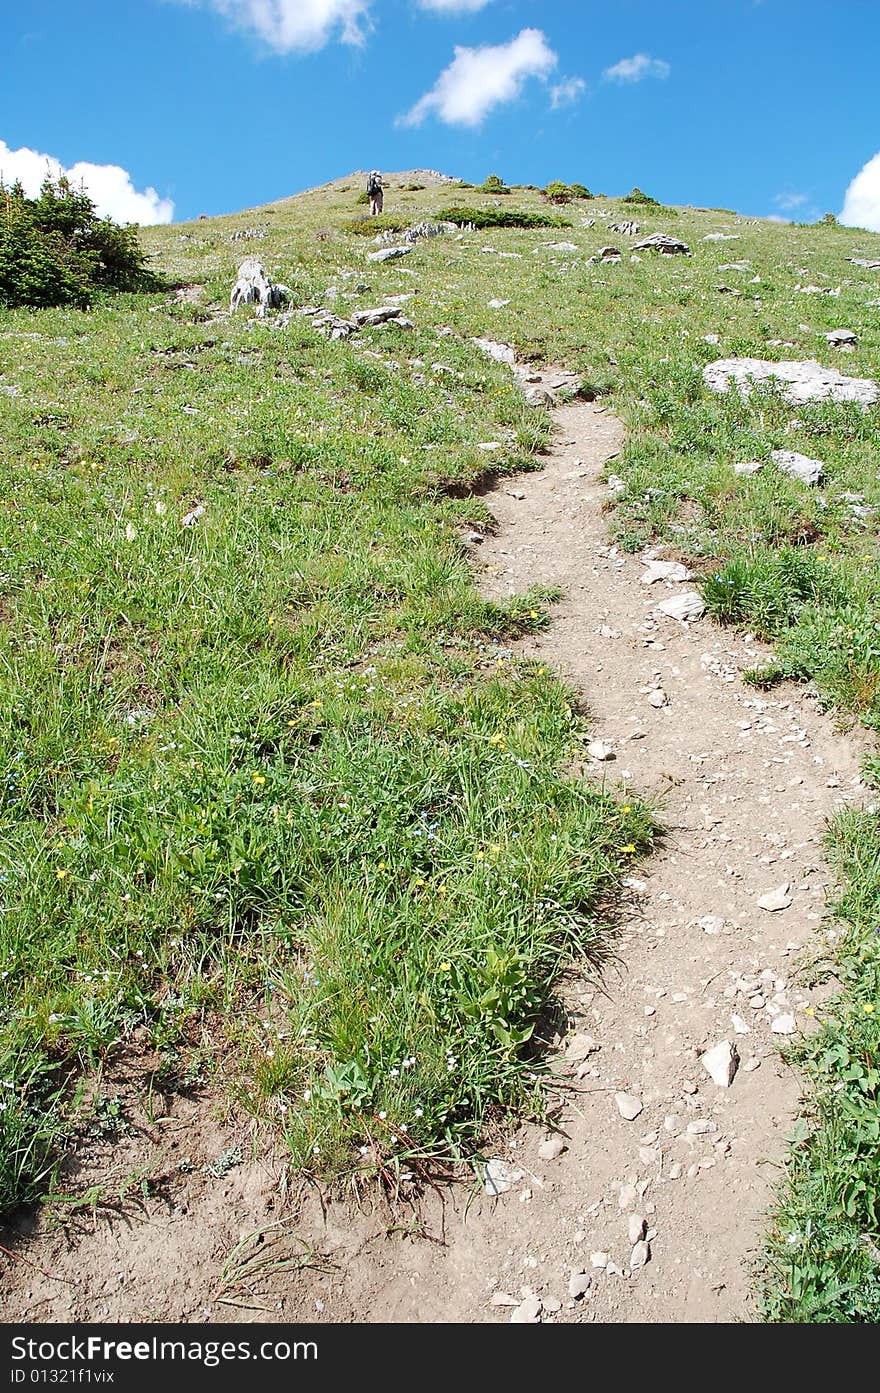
(180, 107)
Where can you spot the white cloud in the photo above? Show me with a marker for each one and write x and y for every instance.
(790, 201)
(454, 7)
(635, 69)
(479, 79)
(567, 91)
(108, 185)
(861, 207)
(288, 25)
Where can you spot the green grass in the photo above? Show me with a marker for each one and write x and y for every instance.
(825, 1263)
(273, 780)
(224, 746)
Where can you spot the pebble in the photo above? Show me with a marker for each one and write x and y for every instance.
(599, 1259)
(600, 750)
(665, 570)
(552, 1148)
(688, 605)
(579, 1284)
(528, 1312)
(658, 697)
(627, 1196)
(628, 1105)
(635, 1227)
(711, 923)
(499, 1176)
(739, 1025)
(783, 1024)
(503, 1298)
(674, 1171)
(775, 900)
(551, 1305)
(580, 1047)
(700, 1126)
(640, 1254)
(720, 1063)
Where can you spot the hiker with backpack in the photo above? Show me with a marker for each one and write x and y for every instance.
(374, 192)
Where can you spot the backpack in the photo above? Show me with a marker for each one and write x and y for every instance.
(374, 183)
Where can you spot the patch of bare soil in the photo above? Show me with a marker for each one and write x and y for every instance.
(662, 1213)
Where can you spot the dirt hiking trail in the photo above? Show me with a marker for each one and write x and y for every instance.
(656, 1218)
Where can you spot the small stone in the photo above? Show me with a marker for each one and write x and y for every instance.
(628, 1105)
(516, 493)
(720, 1063)
(648, 1155)
(783, 1024)
(640, 1254)
(838, 337)
(800, 467)
(580, 1047)
(687, 606)
(740, 1025)
(552, 1148)
(389, 254)
(600, 750)
(775, 900)
(499, 1176)
(701, 1126)
(551, 1305)
(674, 1171)
(752, 1063)
(579, 1284)
(747, 467)
(688, 1086)
(711, 923)
(627, 1196)
(528, 1312)
(503, 1298)
(664, 570)
(599, 1260)
(635, 1227)
(657, 698)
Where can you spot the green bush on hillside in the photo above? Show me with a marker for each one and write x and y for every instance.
(558, 192)
(499, 217)
(494, 184)
(55, 250)
(637, 196)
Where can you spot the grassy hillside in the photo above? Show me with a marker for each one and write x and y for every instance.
(274, 785)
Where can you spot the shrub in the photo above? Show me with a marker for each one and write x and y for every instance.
(494, 184)
(580, 191)
(363, 198)
(499, 217)
(557, 192)
(369, 227)
(55, 250)
(637, 196)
